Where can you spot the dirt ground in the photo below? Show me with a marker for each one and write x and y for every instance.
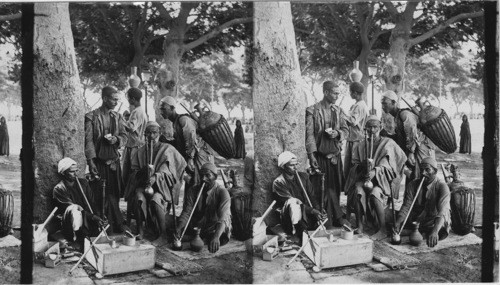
(459, 264)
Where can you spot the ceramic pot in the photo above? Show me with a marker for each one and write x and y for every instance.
(134, 80)
(197, 242)
(415, 236)
(355, 75)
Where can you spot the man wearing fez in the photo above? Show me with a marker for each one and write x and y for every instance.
(325, 130)
(384, 169)
(71, 201)
(212, 214)
(193, 148)
(408, 135)
(432, 206)
(155, 182)
(288, 190)
(356, 122)
(104, 134)
(135, 126)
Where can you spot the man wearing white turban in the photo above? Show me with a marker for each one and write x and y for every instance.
(296, 214)
(77, 221)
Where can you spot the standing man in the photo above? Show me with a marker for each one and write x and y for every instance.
(212, 214)
(325, 131)
(193, 148)
(135, 126)
(432, 206)
(162, 175)
(104, 134)
(408, 135)
(384, 169)
(356, 122)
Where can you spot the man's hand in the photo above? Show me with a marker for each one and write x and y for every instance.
(92, 166)
(370, 175)
(332, 133)
(214, 245)
(411, 159)
(318, 215)
(152, 180)
(190, 165)
(312, 161)
(432, 239)
(178, 232)
(98, 219)
(112, 140)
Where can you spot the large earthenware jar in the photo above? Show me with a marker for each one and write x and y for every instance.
(415, 236)
(196, 242)
(134, 80)
(355, 75)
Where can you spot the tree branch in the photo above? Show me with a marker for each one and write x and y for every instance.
(409, 10)
(390, 7)
(377, 35)
(443, 26)
(216, 31)
(10, 17)
(163, 11)
(110, 27)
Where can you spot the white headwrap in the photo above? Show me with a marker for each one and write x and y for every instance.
(285, 157)
(64, 164)
(169, 100)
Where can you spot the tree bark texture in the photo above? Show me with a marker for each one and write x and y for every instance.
(58, 103)
(279, 101)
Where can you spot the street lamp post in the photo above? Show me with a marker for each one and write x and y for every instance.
(372, 71)
(146, 75)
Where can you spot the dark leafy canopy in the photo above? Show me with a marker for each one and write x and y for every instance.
(104, 39)
(10, 32)
(331, 32)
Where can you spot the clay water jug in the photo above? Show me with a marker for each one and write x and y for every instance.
(355, 75)
(134, 80)
(415, 236)
(196, 242)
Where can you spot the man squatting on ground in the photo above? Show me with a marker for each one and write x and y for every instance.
(385, 172)
(212, 213)
(296, 213)
(163, 175)
(104, 134)
(77, 218)
(325, 130)
(356, 122)
(432, 207)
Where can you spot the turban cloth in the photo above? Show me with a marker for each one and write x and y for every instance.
(285, 157)
(64, 164)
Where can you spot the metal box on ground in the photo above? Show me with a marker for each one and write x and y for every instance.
(339, 252)
(121, 259)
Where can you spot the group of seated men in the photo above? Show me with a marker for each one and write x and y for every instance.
(375, 166)
(155, 171)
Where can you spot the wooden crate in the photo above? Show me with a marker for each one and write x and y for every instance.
(121, 259)
(340, 252)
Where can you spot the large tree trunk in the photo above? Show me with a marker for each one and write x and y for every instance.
(278, 100)
(58, 102)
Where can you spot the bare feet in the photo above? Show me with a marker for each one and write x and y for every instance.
(159, 242)
(380, 235)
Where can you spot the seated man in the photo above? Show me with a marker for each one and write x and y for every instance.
(432, 206)
(385, 172)
(71, 196)
(154, 183)
(212, 213)
(288, 189)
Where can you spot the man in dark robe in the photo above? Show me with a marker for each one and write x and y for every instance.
(432, 208)
(78, 221)
(325, 131)
(158, 169)
(297, 215)
(465, 137)
(385, 171)
(212, 214)
(193, 148)
(104, 134)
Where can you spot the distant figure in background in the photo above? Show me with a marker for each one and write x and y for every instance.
(4, 137)
(465, 138)
(239, 140)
